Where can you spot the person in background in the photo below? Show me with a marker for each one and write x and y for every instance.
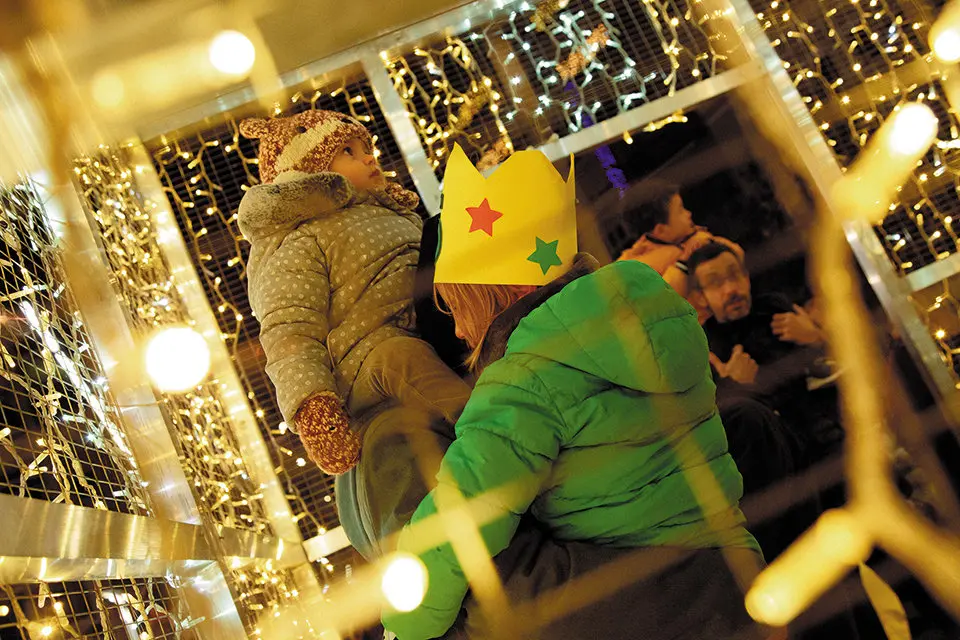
(767, 349)
(667, 238)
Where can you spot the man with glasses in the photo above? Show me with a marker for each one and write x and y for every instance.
(763, 347)
(764, 350)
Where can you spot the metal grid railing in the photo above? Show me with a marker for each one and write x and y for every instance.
(538, 72)
(61, 434)
(205, 439)
(853, 62)
(130, 609)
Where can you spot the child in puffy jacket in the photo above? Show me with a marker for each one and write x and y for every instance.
(334, 252)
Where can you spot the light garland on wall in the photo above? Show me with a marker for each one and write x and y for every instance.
(443, 112)
(853, 63)
(562, 65)
(61, 428)
(208, 450)
(143, 608)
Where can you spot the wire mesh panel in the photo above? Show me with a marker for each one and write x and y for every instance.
(548, 70)
(204, 431)
(939, 308)
(205, 177)
(853, 63)
(141, 609)
(60, 434)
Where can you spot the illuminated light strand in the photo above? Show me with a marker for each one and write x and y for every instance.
(208, 450)
(535, 51)
(851, 72)
(442, 113)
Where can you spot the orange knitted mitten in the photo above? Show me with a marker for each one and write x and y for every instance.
(325, 432)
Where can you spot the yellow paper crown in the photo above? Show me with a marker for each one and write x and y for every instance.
(519, 226)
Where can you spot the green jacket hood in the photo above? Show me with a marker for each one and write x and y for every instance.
(632, 331)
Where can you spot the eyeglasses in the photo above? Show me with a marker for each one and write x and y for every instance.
(717, 280)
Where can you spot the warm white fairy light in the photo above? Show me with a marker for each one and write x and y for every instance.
(177, 358)
(404, 582)
(232, 53)
(210, 454)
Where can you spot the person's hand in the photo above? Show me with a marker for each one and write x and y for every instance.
(740, 367)
(325, 431)
(797, 327)
(696, 241)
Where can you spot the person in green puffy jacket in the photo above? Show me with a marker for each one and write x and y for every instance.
(594, 411)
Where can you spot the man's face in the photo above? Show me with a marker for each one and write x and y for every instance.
(725, 286)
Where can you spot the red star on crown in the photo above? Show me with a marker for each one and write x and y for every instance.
(483, 217)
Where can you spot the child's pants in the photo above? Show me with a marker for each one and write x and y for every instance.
(407, 402)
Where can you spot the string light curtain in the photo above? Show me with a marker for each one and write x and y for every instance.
(61, 438)
(205, 177)
(550, 69)
(202, 427)
(209, 453)
(853, 61)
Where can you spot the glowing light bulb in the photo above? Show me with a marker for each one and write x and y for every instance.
(4, 610)
(404, 582)
(871, 184)
(945, 34)
(947, 46)
(47, 631)
(177, 359)
(792, 582)
(913, 129)
(232, 53)
(108, 89)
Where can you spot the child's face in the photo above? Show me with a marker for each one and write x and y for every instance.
(679, 219)
(357, 164)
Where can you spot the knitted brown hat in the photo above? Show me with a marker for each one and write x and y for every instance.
(306, 142)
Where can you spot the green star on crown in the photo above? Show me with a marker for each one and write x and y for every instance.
(546, 255)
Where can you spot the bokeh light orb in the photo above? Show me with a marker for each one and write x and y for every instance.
(177, 358)
(404, 582)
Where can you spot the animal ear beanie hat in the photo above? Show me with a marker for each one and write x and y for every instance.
(306, 142)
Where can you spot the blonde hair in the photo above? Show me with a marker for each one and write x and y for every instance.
(474, 307)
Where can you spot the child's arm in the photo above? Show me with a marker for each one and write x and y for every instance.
(507, 440)
(293, 332)
(659, 257)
